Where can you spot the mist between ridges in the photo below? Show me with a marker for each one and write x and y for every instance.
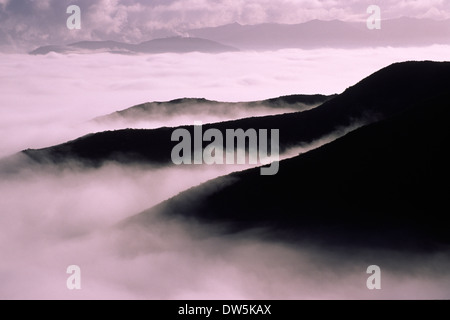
(231, 149)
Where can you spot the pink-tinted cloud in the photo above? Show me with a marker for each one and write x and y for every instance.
(30, 23)
(47, 100)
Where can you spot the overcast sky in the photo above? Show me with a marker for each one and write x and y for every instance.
(38, 22)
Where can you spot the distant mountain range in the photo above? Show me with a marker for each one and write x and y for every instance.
(382, 185)
(333, 34)
(163, 45)
(402, 32)
(382, 95)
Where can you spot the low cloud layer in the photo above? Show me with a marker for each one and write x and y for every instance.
(46, 100)
(56, 219)
(59, 217)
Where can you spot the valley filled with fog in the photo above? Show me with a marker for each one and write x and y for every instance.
(56, 216)
(46, 100)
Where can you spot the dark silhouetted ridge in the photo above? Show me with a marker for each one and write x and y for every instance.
(383, 185)
(199, 106)
(382, 95)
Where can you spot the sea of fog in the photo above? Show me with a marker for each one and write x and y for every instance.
(59, 217)
(45, 100)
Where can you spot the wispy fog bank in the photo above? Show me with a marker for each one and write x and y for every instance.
(54, 218)
(45, 100)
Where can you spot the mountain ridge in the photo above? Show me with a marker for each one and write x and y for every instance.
(379, 96)
(161, 45)
(329, 34)
(191, 106)
(370, 188)
(313, 34)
